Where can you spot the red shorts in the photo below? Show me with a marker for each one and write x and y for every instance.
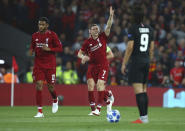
(97, 72)
(44, 74)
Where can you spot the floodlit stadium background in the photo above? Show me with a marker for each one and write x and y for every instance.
(70, 19)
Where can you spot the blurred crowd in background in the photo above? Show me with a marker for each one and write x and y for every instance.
(70, 19)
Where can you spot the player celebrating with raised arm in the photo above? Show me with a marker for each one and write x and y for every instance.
(45, 44)
(94, 51)
(140, 50)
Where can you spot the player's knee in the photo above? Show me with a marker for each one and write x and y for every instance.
(39, 85)
(90, 87)
(100, 86)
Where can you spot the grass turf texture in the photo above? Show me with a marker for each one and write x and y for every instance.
(74, 118)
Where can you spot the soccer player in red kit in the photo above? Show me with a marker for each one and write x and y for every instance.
(94, 51)
(45, 44)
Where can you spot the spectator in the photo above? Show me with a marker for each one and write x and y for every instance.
(2, 72)
(70, 18)
(177, 74)
(63, 39)
(8, 77)
(6, 11)
(29, 78)
(159, 76)
(181, 46)
(68, 22)
(32, 14)
(69, 75)
(67, 55)
(59, 71)
(22, 15)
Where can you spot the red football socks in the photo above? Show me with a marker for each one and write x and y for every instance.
(39, 98)
(40, 109)
(91, 100)
(99, 107)
(100, 97)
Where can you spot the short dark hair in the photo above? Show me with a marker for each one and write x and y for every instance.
(92, 25)
(137, 14)
(44, 19)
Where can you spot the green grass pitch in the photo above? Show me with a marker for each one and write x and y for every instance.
(75, 118)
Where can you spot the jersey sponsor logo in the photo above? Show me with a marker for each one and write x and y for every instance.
(36, 39)
(96, 46)
(41, 44)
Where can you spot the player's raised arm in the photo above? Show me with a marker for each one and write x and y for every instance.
(151, 50)
(109, 22)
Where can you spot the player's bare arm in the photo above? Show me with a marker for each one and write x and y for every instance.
(109, 22)
(84, 58)
(128, 52)
(151, 50)
(32, 48)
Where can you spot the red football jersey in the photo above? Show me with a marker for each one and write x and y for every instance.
(96, 50)
(45, 59)
(177, 73)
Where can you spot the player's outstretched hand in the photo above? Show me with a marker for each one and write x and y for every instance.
(85, 59)
(45, 48)
(123, 69)
(111, 11)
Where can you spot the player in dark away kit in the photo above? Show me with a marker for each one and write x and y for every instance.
(139, 52)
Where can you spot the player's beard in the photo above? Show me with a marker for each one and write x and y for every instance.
(43, 30)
